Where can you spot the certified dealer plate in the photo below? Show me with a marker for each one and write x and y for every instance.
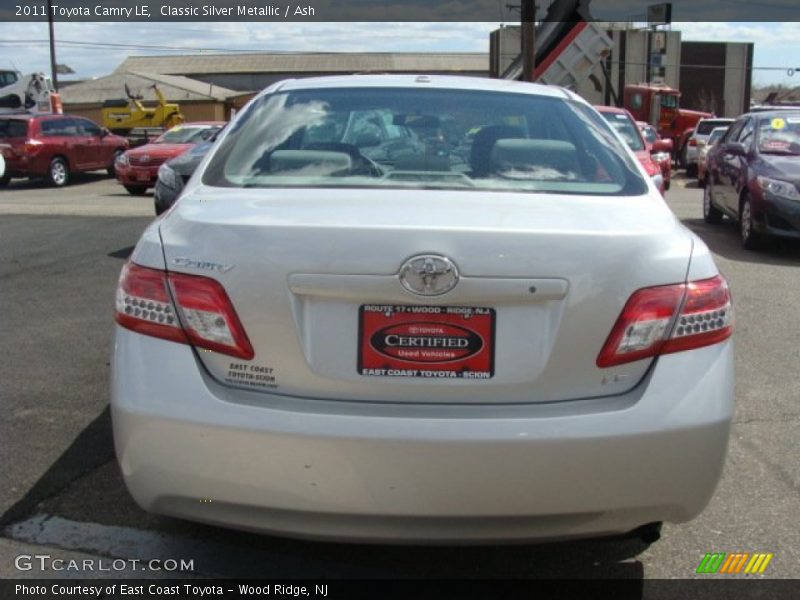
(426, 341)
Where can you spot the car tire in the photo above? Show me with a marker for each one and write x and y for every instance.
(682, 157)
(751, 239)
(691, 170)
(4, 180)
(158, 207)
(711, 214)
(58, 172)
(112, 171)
(666, 185)
(136, 190)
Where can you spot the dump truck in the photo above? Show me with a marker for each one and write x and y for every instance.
(568, 46)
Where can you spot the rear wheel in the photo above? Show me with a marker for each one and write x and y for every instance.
(58, 172)
(691, 170)
(751, 239)
(711, 213)
(4, 180)
(136, 190)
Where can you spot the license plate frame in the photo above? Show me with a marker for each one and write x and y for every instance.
(430, 342)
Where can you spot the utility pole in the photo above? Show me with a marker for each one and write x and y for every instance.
(53, 67)
(528, 18)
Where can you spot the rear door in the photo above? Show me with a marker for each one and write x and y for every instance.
(13, 133)
(98, 155)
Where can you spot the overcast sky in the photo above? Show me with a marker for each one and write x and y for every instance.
(95, 49)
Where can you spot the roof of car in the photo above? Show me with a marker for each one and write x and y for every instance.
(453, 82)
(773, 113)
(203, 124)
(611, 109)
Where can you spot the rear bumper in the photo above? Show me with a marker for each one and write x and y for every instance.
(191, 448)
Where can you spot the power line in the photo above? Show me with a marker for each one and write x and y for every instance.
(106, 45)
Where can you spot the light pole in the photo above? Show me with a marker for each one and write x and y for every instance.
(53, 66)
(528, 18)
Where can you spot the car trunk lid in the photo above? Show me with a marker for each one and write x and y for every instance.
(313, 275)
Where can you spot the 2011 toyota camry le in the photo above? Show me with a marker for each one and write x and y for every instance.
(422, 308)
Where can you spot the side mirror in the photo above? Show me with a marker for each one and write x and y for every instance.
(664, 145)
(736, 149)
(104, 132)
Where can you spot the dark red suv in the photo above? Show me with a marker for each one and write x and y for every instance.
(54, 146)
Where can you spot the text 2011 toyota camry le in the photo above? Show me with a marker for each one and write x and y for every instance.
(422, 308)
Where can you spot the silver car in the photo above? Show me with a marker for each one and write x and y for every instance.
(422, 308)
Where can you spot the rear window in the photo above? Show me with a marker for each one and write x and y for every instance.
(707, 126)
(13, 128)
(423, 138)
(626, 129)
(59, 127)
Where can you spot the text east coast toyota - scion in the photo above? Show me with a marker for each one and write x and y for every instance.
(422, 308)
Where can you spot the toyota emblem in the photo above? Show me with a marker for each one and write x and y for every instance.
(429, 275)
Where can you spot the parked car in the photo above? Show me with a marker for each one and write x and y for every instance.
(622, 121)
(521, 344)
(753, 177)
(697, 140)
(714, 137)
(137, 169)
(174, 173)
(56, 146)
(660, 150)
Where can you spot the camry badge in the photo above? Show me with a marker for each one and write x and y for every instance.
(429, 275)
(205, 265)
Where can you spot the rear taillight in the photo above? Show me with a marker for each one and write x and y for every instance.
(201, 314)
(669, 318)
(33, 146)
(693, 142)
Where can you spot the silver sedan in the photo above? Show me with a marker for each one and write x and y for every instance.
(422, 308)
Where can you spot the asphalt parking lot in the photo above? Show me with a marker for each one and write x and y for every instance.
(60, 254)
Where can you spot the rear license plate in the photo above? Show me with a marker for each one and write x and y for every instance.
(426, 341)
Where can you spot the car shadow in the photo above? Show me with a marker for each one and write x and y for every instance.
(122, 252)
(723, 239)
(39, 183)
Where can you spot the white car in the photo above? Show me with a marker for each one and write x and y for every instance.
(697, 141)
(362, 324)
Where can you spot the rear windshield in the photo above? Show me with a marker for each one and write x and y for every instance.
(13, 128)
(626, 128)
(423, 138)
(186, 135)
(707, 126)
